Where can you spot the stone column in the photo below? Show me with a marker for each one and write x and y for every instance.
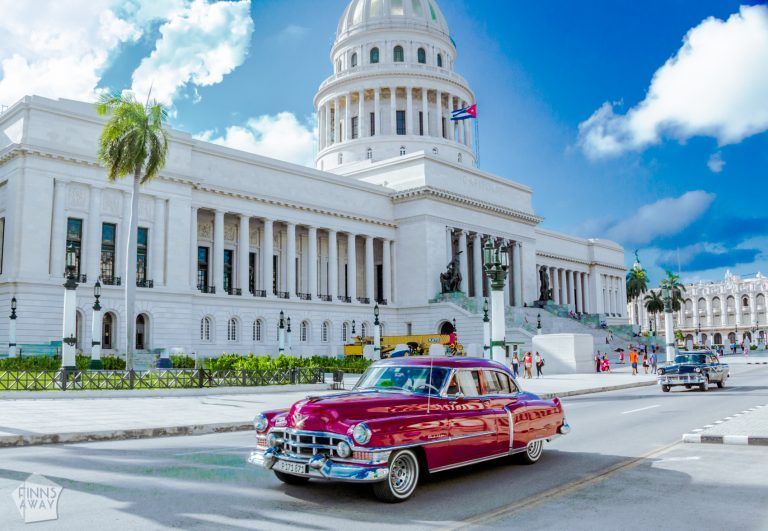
(409, 111)
(579, 301)
(519, 275)
(556, 285)
(439, 113)
(753, 310)
(451, 125)
(393, 111)
(193, 249)
(507, 280)
(376, 112)
(290, 258)
(243, 253)
(312, 287)
(327, 123)
(448, 244)
(425, 110)
(336, 121)
(477, 264)
(386, 271)
(361, 122)
(218, 251)
(69, 326)
(351, 267)
(347, 117)
(588, 308)
(710, 317)
(93, 240)
(267, 254)
(369, 269)
(333, 265)
(59, 232)
(157, 241)
(463, 261)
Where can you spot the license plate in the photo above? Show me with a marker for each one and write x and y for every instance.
(291, 467)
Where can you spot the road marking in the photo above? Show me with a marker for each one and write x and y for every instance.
(557, 492)
(689, 458)
(641, 409)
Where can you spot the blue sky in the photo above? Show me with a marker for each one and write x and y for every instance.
(673, 165)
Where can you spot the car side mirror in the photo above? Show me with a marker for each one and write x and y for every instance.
(458, 396)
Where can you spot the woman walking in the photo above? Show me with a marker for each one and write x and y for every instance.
(515, 365)
(645, 362)
(539, 366)
(528, 365)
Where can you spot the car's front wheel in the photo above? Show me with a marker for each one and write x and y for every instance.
(290, 479)
(665, 388)
(704, 386)
(402, 478)
(532, 453)
(721, 383)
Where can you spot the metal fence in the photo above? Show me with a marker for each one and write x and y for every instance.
(65, 380)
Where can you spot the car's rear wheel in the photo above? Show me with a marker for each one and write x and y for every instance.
(704, 387)
(402, 478)
(665, 388)
(290, 479)
(532, 453)
(687, 386)
(721, 383)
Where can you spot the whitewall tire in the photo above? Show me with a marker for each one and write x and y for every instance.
(532, 453)
(402, 478)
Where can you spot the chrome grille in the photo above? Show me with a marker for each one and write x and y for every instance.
(309, 443)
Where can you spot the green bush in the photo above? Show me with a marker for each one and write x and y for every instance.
(251, 362)
(753, 347)
(47, 363)
(182, 362)
(112, 363)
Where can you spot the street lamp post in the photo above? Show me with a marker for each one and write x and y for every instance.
(538, 324)
(698, 334)
(281, 334)
(288, 337)
(12, 330)
(95, 364)
(486, 331)
(496, 265)
(376, 333)
(69, 339)
(669, 332)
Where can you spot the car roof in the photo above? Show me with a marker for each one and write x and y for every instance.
(440, 361)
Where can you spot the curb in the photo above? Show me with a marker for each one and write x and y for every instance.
(757, 363)
(578, 392)
(741, 440)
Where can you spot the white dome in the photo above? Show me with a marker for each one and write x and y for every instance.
(366, 13)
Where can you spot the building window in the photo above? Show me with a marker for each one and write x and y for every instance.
(341, 158)
(421, 123)
(326, 332)
(399, 55)
(397, 8)
(443, 127)
(107, 330)
(369, 154)
(434, 151)
(232, 330)
(142, 241)
(258, 328)
(440, 60)
(205, 329)
(364, 330)
(228, 259)
(141, 332)
(402, 150)
(400, 115)
(338, 66)
(108, 241)
(354, 127)
(74, 240)
(372, 127)
(422, 56)
(252, 272)
(374, 55)
(344, 332)
(304, 331)
(202, 268)
(354, 60)
(460, 158)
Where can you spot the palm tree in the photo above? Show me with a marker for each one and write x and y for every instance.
(673, 283)
(654, 303)
(133, 142)
(637, 284)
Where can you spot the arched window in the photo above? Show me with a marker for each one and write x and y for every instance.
(142, 327)
(304, 331)
(205, 329)
(440, 60)
(422, 56)
(344, 332)
(107, 331)
(369, 154)
(354, 60)
(232, 330)
(460, 158)
(745, 302)
(325, 335)
(402, 150)
(434, 151)
(364, 329)
(399, 54)
(374, 55)
(258, 330)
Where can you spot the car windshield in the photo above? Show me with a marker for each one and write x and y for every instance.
(421, 380)
(690, 358)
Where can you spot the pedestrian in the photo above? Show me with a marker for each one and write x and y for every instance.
(515, 365)
(621, 357)
(645, 363)
(606, 364)
(528, 365)
(654, 362)
(597, 361)
(539, 366)
(633, 361)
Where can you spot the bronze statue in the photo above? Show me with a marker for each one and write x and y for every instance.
(545, 293)
(450, 280)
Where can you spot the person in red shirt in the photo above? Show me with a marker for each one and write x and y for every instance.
(633, 360)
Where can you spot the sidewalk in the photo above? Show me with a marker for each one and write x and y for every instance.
(79, 418)
(748, 427)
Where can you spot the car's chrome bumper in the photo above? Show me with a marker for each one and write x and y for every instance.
(321, 467)
(682, 379)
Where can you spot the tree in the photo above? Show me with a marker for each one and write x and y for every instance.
(637, 280)
(672, 281)
(133, 142)
(653, 303)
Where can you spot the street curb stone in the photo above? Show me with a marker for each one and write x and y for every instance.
(741, 440)
(597, 390)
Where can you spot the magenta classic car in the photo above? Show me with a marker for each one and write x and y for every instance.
(404, 418)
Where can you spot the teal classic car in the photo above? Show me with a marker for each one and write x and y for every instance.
(691, 369)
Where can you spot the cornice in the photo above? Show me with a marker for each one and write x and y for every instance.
(429, 192)
(578, 261)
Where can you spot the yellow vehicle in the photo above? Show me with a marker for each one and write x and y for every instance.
(417, 344)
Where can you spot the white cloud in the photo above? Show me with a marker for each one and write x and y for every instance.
(60, 50)
(715, 85)
(292, 32)
(716, 162)
(665, 217)
(199, 45)
(279, 136)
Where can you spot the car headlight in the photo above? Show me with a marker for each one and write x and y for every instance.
(273, 440)
(361, 433)
(660, 371)
(260, 422)
(343, 449)
(697, 369)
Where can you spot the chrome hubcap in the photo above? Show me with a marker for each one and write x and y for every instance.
(534, 449)
(402, 474)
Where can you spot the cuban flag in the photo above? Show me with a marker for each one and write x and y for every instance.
(464, 114)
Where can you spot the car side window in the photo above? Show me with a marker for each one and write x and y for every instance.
(469, 382)
(492, 386)
(506, 384)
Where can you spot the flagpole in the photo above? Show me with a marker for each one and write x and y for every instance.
(477, 143)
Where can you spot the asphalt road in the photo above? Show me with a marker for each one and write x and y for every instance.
(621, 467)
